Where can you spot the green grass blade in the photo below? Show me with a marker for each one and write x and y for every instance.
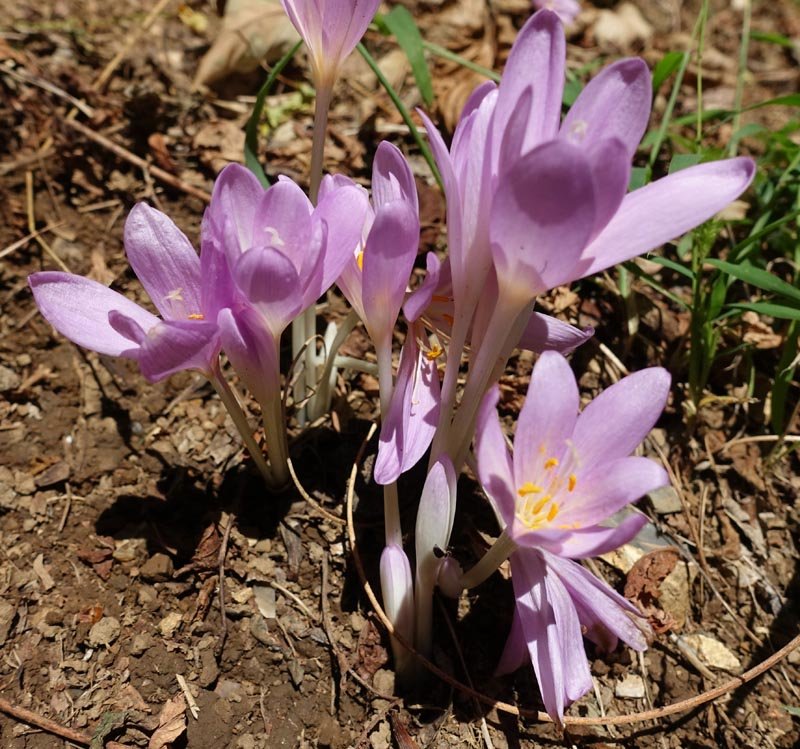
(401, 24)
(404, 113)
(668, 64)
(778, 311)
(446, 54)
(672, 265)
(635, 270)
(762, 279)
(783, 378)
(251, 130)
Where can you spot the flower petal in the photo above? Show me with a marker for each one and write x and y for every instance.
(537, 59)
(388, 259)
(435, 517)
(618, 419)
(252, 350)
(235, 198)
(547, 418)
(543, 215)
(608, 488)
(614, 104)
(392, 178)
(173, 346)
(495, 470)
(78, 308)
(164, 261)
(595, 598)
(409, 426)
(419, 300)
(547, 333)
(665, 209)
(269, 281)
(585, 543)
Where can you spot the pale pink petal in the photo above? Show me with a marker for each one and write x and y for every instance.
(173, 346)
(543, 214)
(537, 59)
(235, 198)
(665, 209)
(618, 419)
(495, 469)
(614, 104)
(585, 543)
(609, 487)
(78, 308)
(606, 605)
(546, 420)
(419, 300)
(269, 281)
(547, 333)
(392, 178)
(164, 261)
(408, 428)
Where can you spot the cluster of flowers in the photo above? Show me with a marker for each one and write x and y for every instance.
(533, 202)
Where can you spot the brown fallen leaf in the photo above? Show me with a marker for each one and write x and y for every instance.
(171, 723)
(643, 586)
(253, 31)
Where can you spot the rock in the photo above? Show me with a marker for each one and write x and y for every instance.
(9, 379)
(7, 614)
(665, 500)
(141, 644)
(170, 624)
(104, 632)
(157, 569)
(621, 27)
(55, 474)
(383, 681)
(210, 670)
(712, 652)
(630, 688)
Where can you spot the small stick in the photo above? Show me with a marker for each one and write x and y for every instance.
(132, 158)
(28, 237)
(310, 500)
(50, 726)
(190, 701)
(25, 77)
(32, 223)
(223, 550)
(67, 507)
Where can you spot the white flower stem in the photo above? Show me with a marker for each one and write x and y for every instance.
(277, 444)
(391, 504)
(498, 552)
(234, 409)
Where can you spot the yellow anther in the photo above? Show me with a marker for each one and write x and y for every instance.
(553, 512)
(360, 259)
(573, 479)
(528, 488)
(542, 449)
(550, 463)
(434, 353)
(448, 319)
(440, 298)
(197, 316)
(539, 506)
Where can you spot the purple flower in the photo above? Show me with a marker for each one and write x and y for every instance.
(277, 255)
(543, 202)
(568, 474)
(566, 10)
(95, 317)
(331, 29)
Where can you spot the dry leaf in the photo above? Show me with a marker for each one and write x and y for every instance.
(621, 28)
(171, 723)
(253, 31)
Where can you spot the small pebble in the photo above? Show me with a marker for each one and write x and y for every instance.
(104, 632)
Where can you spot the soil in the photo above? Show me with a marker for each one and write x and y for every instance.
(124, 506)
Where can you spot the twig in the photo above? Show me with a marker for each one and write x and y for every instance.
(132, 158)
(190, 701)
(67, 507)
(25, 77)
(292, 597)
(32, 223)
(50, 726)
(690, 703)
(759, 438)
(341, 660)
(14, 246)
(223, 550)
(310, 500)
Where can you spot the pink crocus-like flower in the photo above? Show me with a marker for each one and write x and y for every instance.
(568, 474)
(566, 10)
(331, 29)
(95, 317)
(279, 255)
